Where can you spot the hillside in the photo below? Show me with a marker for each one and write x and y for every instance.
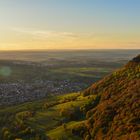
(108, 110)
(117, 115)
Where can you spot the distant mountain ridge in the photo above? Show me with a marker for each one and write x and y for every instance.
(117, 115)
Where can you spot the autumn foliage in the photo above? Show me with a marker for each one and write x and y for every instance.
(117, 115)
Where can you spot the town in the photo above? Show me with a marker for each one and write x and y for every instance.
(14, 93)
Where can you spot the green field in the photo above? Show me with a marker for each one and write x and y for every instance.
(84, 66)
(43, 117)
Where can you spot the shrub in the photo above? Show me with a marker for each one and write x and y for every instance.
(72, 113)
(79, 130)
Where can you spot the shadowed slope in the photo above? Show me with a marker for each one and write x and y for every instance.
(136, 59)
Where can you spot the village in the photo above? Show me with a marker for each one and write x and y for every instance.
(14, 93)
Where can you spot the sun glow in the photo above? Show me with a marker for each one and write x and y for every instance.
(33, 25)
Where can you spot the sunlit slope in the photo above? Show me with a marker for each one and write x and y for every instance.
(117, 116)
(53, 117)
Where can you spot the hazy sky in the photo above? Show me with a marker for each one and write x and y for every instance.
(69, 24)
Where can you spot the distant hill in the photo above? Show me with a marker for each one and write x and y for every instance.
(117, 115)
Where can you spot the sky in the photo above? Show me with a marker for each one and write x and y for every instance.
(69, 24)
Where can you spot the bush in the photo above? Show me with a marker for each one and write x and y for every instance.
(90, 104)
(79, 130)
(72, 113)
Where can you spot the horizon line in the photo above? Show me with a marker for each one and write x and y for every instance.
(35, 50)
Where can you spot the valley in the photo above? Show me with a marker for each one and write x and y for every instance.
(28, 76)
(89, 113)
